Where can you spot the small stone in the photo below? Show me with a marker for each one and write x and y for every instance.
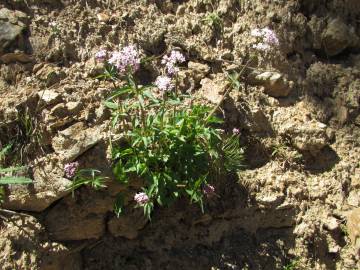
(103, 17)
(199, 68)
(342, 115)
(353, 225)
(16, 57)
(331, 224)
(49, 96)
(59, 111)
(355, 179)
(354, 198)
(334, 249)
(274, 83)
(273, 199)
(74, 106)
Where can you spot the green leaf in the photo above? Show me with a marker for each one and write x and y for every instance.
(12, 169)
(119, 204)
(111, 105)
(5, 150)
(9, 180)
(120, 92)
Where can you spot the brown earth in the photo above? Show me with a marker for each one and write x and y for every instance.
(298, 111)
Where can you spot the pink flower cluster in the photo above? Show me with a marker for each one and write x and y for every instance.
(171, 61)
(267, 38)
(101, 55)
(141, 198)
(164, 83)
(236, 131)
(70, 169)
(126, 60)
(209, 190)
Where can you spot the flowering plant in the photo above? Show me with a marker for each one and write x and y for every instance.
(168, 141)
(266, 39)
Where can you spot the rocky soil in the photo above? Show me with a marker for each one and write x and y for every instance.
(296, 202)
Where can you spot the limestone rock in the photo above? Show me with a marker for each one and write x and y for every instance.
(74, 107)
(50, 97)
(24, 243)
(213, 89)
(273, 199)
(128, 225)
(79, 217)
(305, 134)
(50, 74)
(275, 84)
(338, 36)
(75, 140)
(260, 123)
(199, 71)
(354, 198)
(16, 57)
(12, 25)
(48, 186)
(353, 225)
(331, 224)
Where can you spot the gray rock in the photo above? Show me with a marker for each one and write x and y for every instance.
(12, 25)
(338, 36)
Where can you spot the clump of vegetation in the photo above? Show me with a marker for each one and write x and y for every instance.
(214, 20)
(168, 140)
(293, 265)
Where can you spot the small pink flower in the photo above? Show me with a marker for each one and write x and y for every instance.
(70, 169)
(266, 39)
(236, 131)
(141, 198)
(101, 55)
(126, 60)
(209, 190)
(164, 83)
(171, 61)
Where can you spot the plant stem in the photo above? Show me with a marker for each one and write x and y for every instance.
(227, 92)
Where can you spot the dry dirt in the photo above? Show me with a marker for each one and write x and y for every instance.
(295, 206)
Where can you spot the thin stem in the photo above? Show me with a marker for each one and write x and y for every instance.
(227, 92)
(140, 98)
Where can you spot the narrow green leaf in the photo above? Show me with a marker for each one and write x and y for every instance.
(9, 180)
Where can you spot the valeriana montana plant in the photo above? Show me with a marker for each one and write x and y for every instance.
(172, 147)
